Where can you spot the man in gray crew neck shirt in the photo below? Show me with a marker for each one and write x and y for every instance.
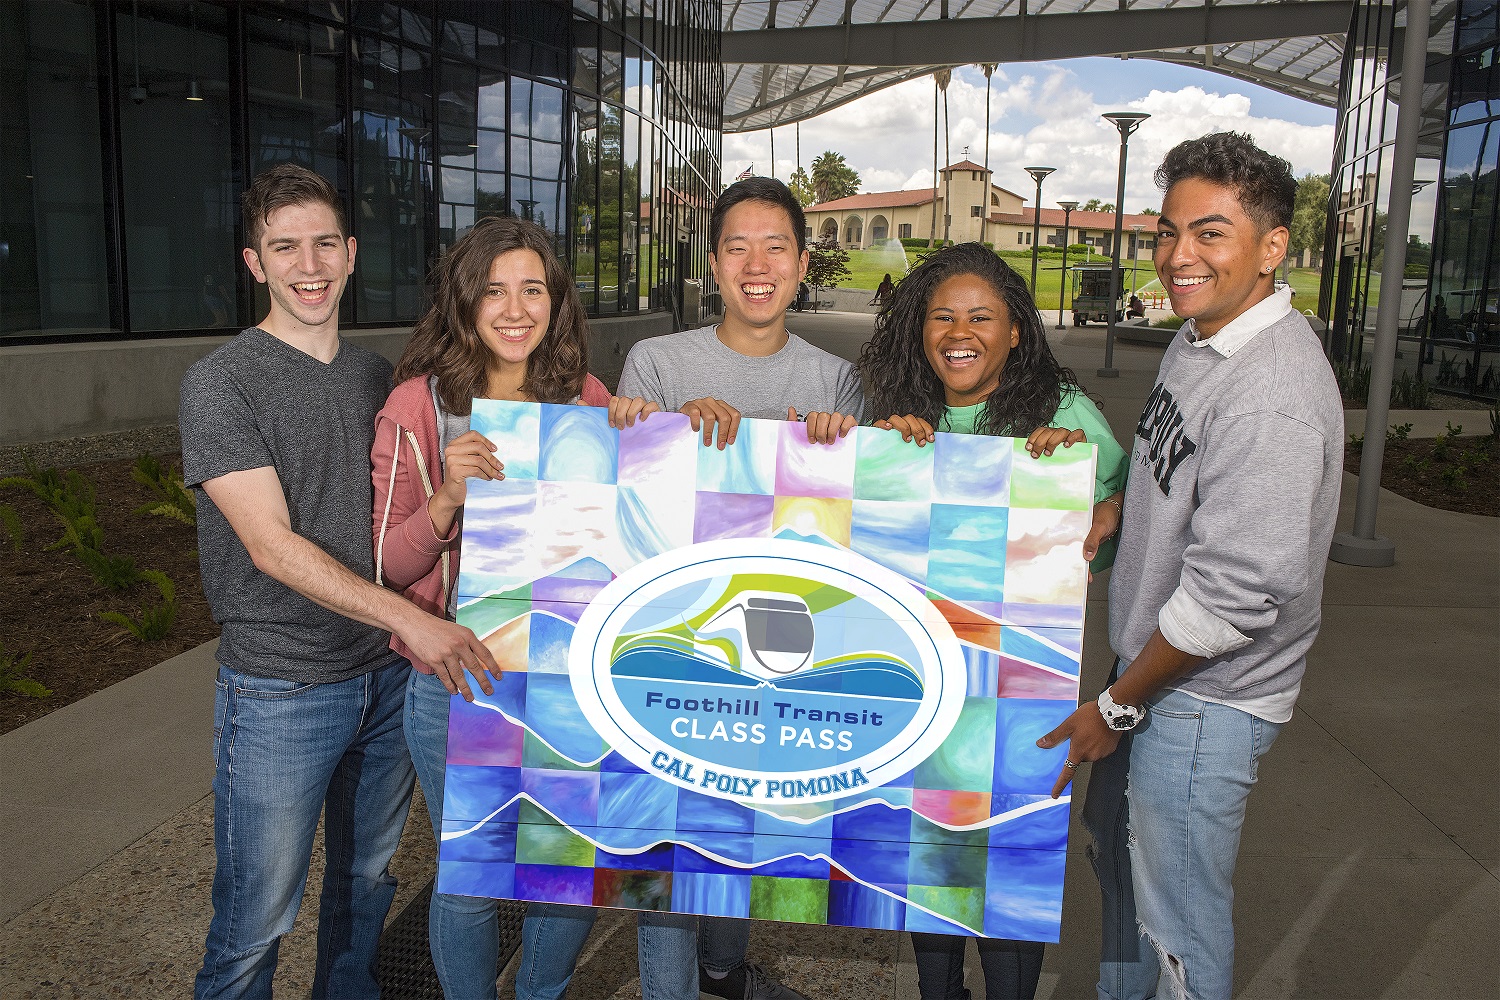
(747, 366)
(276, 432)
(1216, 592)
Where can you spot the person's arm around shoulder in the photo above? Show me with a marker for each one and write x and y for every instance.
(253, 503)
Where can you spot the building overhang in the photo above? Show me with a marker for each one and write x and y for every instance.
(785, 62)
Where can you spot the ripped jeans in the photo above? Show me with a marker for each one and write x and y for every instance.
(1165, 853)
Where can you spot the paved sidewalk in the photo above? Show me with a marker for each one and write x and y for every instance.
(1370, 865)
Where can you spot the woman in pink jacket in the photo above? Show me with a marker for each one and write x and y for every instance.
(505, 323)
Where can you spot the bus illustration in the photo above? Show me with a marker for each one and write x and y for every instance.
(773, 630)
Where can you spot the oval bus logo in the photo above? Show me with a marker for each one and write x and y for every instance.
(767, 671)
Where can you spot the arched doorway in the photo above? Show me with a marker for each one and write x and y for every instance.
(880, 229)
(830, 230)
(854, 231)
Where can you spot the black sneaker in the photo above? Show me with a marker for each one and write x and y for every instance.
(747, 982)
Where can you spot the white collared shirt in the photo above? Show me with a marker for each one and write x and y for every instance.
(1242, 329)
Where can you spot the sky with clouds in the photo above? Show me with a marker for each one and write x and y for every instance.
(1047, 114)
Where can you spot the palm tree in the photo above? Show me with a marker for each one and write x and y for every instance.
(833, 178)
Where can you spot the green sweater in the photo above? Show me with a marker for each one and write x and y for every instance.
(1077, 412)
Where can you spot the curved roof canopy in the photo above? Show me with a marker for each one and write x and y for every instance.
(788, 60)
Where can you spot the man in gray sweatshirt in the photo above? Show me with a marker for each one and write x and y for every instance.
(1217, 588)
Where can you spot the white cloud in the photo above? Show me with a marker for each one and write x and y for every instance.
(1039, 114)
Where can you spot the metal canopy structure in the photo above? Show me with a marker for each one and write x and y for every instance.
(788, 60)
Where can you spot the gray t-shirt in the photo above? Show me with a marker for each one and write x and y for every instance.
(257, 402)
(680, 367)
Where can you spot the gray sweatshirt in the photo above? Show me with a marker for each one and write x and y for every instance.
(1229, 513)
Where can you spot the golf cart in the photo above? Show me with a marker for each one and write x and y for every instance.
(1091, 294)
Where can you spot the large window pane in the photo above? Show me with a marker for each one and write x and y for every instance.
(296, 109)
(536, 152)
(53, 275)
(392, 139)
(181, 200)
(584, 214)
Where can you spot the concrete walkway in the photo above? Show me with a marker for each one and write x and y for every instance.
(1370, 865)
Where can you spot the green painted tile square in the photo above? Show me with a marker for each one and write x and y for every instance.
(798, 900)
(963, 904)
(1063, 480)
(888, 468)
(485, 615)
(535, 753)
(965, 761)
(550, 843)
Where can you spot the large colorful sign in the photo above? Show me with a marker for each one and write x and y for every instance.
(784, 680)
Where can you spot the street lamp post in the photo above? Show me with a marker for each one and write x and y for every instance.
(1135, 245)
(1062, 290)
(1127, 122)
(1038, 174)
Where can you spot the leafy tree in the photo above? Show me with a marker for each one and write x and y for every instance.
(1309, 212)
(833, 178)
(802, 188)
(827, 263)
(1149, 211)
(1092, 205)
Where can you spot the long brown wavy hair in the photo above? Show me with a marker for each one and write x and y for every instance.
(446, 343)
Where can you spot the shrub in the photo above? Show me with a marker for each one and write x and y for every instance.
(173, 499)
(13, 676)
(155, 620)
(110, 572)
(12, 523)
(1354, 382)
(1409, 393)
(1398, 432)
(1169, 323)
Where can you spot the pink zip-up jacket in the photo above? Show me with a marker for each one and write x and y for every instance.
(410, 556)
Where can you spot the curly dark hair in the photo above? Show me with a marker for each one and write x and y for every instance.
(1264, 183)
(446, 343)
(899, 379)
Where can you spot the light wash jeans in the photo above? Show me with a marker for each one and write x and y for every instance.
(285, 752)
(463, 932)
(669, 947)
(1165, 850)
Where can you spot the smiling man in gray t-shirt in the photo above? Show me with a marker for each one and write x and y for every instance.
(749, 365)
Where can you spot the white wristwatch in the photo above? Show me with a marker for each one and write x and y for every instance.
(1120, 718)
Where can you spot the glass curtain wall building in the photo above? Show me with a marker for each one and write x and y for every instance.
(1450, 300)
(129, 129)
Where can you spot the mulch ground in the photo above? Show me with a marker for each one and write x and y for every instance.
(50, 604)
(1462, 475)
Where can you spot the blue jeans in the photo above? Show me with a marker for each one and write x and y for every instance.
(669, 947)
(284, 752)
(462, 931)
(1165, 850)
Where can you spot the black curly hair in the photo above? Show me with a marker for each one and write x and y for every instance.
(899, 379)
(1264, 183)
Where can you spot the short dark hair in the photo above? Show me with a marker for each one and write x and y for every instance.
(899, 379)
(282, 185)
(1264, 183)
(766, 189)
(446, 343)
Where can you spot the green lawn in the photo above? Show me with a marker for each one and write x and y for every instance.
(869, 266)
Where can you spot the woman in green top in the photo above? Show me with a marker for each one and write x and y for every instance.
(959, 348)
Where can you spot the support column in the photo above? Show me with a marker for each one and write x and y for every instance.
(1362, 547)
